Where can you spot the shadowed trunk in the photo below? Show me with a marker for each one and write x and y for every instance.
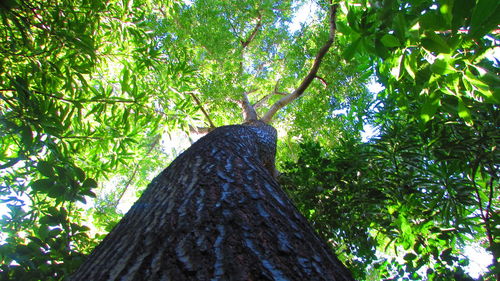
(216, 213)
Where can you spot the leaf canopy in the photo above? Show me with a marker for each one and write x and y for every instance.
(89, 91)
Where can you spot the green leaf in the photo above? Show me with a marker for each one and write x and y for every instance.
(352, 19)
(125, 79)
(381, 50)
(482, 88)
(27, 137)
(49, 220)
(442, 67)
(62, 172)
(432, 20)
(390, 41)
(343, 28)
(43, 185)
(410, 257)
(435, 43)
(462, 10)
(88, 193)
(46, 168)
(80, 174)
(349, 52)
(54, 232)
(430, 106)
(484, 10)
(464, 112)
(57, 191)
(397, 67)
(410, 65)
(89, 184)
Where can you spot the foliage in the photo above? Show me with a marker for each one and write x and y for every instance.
(396, 196)
(427, 186)
(65, 122)
(88, 89)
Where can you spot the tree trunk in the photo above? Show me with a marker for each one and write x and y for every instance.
(216, 213)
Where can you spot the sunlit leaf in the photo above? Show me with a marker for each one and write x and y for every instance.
(430, 106)
(390, 40)
(464, 112)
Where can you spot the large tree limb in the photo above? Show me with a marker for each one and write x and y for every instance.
(312, 72)
(249, 113)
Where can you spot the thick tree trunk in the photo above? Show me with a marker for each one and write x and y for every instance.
(216, 213)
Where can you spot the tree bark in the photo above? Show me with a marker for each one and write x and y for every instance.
(216, 213)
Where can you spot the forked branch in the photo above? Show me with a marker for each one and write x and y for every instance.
(312, 72)
(249, 113)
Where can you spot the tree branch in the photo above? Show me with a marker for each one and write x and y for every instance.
(249, 113)
(203, 110)
(323, 81)
(312, 73)
(250, 38)
(261, 101)
(212, 126)
(110, 100)
(136, 168)
(199, 130)
(266, 98)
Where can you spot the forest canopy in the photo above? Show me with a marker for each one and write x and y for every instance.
(92, 94)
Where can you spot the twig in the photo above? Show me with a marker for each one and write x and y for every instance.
(136, 168)
(202, 109)
(109, 101)
(198, 103)
(266, 98)
(312, 73)
(199, 130)
(261, 101)
(81, 137)
(323, 81)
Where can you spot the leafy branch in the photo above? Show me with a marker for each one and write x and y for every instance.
(312, 72)
(75, 101)
(136, 168)
(202, 110)
(198, 102)
(486, 212)
(252, 35)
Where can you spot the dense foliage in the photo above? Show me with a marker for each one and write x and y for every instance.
(90, 89)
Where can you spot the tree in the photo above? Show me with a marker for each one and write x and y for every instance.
(217, 212)
(90, 90)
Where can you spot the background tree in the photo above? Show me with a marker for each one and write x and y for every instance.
(87, 90)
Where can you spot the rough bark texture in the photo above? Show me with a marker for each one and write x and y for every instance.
(216, 213)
